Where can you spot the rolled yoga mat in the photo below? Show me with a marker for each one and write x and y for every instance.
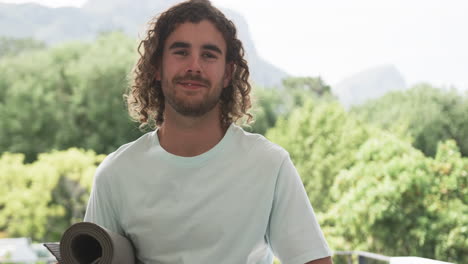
(88, 243)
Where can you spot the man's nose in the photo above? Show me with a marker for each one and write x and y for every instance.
(194, 65)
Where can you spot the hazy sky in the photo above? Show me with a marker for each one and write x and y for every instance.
(427, 40)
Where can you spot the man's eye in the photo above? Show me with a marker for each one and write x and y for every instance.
(209, 55)
(181, 52)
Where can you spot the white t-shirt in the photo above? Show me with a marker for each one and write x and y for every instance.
(240, 202)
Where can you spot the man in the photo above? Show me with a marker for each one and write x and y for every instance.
(199, 189)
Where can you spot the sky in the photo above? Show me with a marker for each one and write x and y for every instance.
(426, 40)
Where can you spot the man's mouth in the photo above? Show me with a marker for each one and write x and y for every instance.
(191, 84)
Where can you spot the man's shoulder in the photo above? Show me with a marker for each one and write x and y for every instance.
(128, 152)
(258, 144)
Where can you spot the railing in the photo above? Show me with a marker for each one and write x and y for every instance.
(368, 257)
(361, 256)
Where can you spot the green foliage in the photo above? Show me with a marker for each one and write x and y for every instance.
(67, 96)
(321, 140)
(14, 46)
(41, 199)
(312, 85)
(297, 90)
(270, 104)
(372, 190)
(267, 107)
(396, 201)
(429, 115)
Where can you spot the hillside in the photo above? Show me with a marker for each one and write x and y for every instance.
(56, 25)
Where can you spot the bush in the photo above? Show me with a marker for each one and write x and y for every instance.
(41, 199)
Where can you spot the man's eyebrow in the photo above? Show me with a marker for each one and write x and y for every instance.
(213, 48)
(179, 44)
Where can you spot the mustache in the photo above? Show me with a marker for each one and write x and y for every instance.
(191, 77)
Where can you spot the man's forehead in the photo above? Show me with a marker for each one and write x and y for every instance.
(200, 33)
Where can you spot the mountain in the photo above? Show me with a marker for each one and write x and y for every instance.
(369, 84)
(56, 25)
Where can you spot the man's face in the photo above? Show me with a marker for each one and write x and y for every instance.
(193, 70)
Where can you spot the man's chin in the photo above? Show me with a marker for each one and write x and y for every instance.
(193, 110)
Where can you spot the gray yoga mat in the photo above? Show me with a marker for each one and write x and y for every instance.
(88, 243)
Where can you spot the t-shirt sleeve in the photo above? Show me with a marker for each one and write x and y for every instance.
(294, 233)
(102, 204)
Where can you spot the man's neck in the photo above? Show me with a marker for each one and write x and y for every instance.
(189, 136)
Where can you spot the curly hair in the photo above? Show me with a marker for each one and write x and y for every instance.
(145, 98)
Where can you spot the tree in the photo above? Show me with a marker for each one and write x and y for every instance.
(429, 115)
(267, 107)
(297, 90)
(372, 190)
(321, 140)
(312, 85)
(14, 46)
(398, 202)
(41, 199)
(271, 103)
(67, 96)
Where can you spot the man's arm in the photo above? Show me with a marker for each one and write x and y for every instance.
(294, 233)
(326, 260)
(102, 205)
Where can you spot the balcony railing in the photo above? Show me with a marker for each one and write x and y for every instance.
(363, 257)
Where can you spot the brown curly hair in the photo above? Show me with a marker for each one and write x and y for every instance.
(145, 98)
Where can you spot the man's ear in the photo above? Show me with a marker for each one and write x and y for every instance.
(228, 72)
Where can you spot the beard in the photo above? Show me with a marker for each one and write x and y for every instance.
(182, 101)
